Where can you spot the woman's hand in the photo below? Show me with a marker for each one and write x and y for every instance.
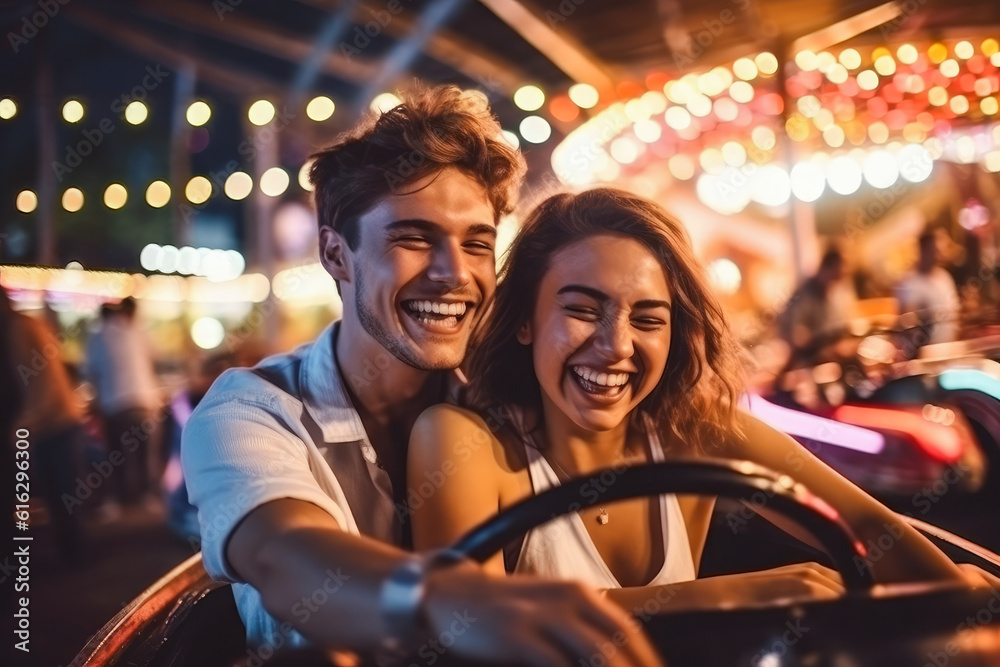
(807, 581)
(801, 581)
(977, 577)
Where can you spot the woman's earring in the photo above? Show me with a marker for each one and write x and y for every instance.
(524, 334)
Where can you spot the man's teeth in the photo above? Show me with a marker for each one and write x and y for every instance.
(439, 307)
(604, 379)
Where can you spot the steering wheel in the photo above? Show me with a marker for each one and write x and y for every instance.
(738, 480)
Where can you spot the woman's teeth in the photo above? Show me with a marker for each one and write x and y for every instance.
(600, 378)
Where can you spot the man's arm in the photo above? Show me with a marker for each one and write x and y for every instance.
(266, 521)
(290, 549)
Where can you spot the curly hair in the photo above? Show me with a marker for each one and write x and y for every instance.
(697, 396)
(430, 130)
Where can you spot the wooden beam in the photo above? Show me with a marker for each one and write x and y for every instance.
(258, 36)
(455, 51)
(142, 42)
(841, 31)
(565, 52)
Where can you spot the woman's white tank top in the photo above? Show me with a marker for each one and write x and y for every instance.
(562, 548)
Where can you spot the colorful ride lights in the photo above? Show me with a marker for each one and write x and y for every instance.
(935, 439)
(813, 427)
(970, 379)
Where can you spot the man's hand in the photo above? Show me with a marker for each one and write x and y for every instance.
(528, 621)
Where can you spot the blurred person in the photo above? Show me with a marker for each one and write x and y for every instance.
(605, 348)
(120, 365)
(298, 465)
(182, 516)
(52, 416)
(928, 299)
(818, 312)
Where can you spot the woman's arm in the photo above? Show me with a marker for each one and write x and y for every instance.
(452, 478)
(911, 557)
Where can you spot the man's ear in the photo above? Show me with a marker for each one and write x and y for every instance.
(334, 254)
(524, 334)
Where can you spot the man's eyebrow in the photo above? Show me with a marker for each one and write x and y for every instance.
(598, 295)
(428, 226)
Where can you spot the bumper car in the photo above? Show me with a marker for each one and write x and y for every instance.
(187, 619)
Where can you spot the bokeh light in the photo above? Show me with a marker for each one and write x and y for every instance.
(158, 194)
(238, 185)
(72, 200)
(771, 186)
(915, 163)
(274, 181)
(320, 108)
(72, 111)
(529, 98)
(880, 169)
(207, 333)
(261, 112)
(745, 69)
(115, 196)
(8, 108)
(907, 54)
(198, 113)
(27, 201)
(535, 129)
(725, 275)
(584, 95)
(304, 176)
(766, 63)
(198, 190)
(384, 103)
(136, 112)
(844, 175)
(807, 181)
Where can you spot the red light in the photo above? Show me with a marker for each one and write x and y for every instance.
(937, 441)
(877, 107)
(628, 89)
(892, 94)
(850, 87)
(896, 119)
(656, 80)
(562, 108)
(771, 104)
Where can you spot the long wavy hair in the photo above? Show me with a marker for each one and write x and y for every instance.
(696, 398)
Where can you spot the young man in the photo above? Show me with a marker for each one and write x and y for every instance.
(297, 466)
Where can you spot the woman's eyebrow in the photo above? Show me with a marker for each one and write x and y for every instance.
(598, 295)
(595, 294)
(652, 303)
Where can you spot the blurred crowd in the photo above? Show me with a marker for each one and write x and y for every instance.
(104, 434)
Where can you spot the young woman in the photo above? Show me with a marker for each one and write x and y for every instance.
(604, 347)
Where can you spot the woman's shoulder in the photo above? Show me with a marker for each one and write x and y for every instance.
(450, 417)
(466, 435)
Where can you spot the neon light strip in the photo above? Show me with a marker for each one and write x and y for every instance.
(969, 378)
(805, 425)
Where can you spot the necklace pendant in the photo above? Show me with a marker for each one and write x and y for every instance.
(603, 517)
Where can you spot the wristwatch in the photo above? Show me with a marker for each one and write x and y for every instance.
(401, 603)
